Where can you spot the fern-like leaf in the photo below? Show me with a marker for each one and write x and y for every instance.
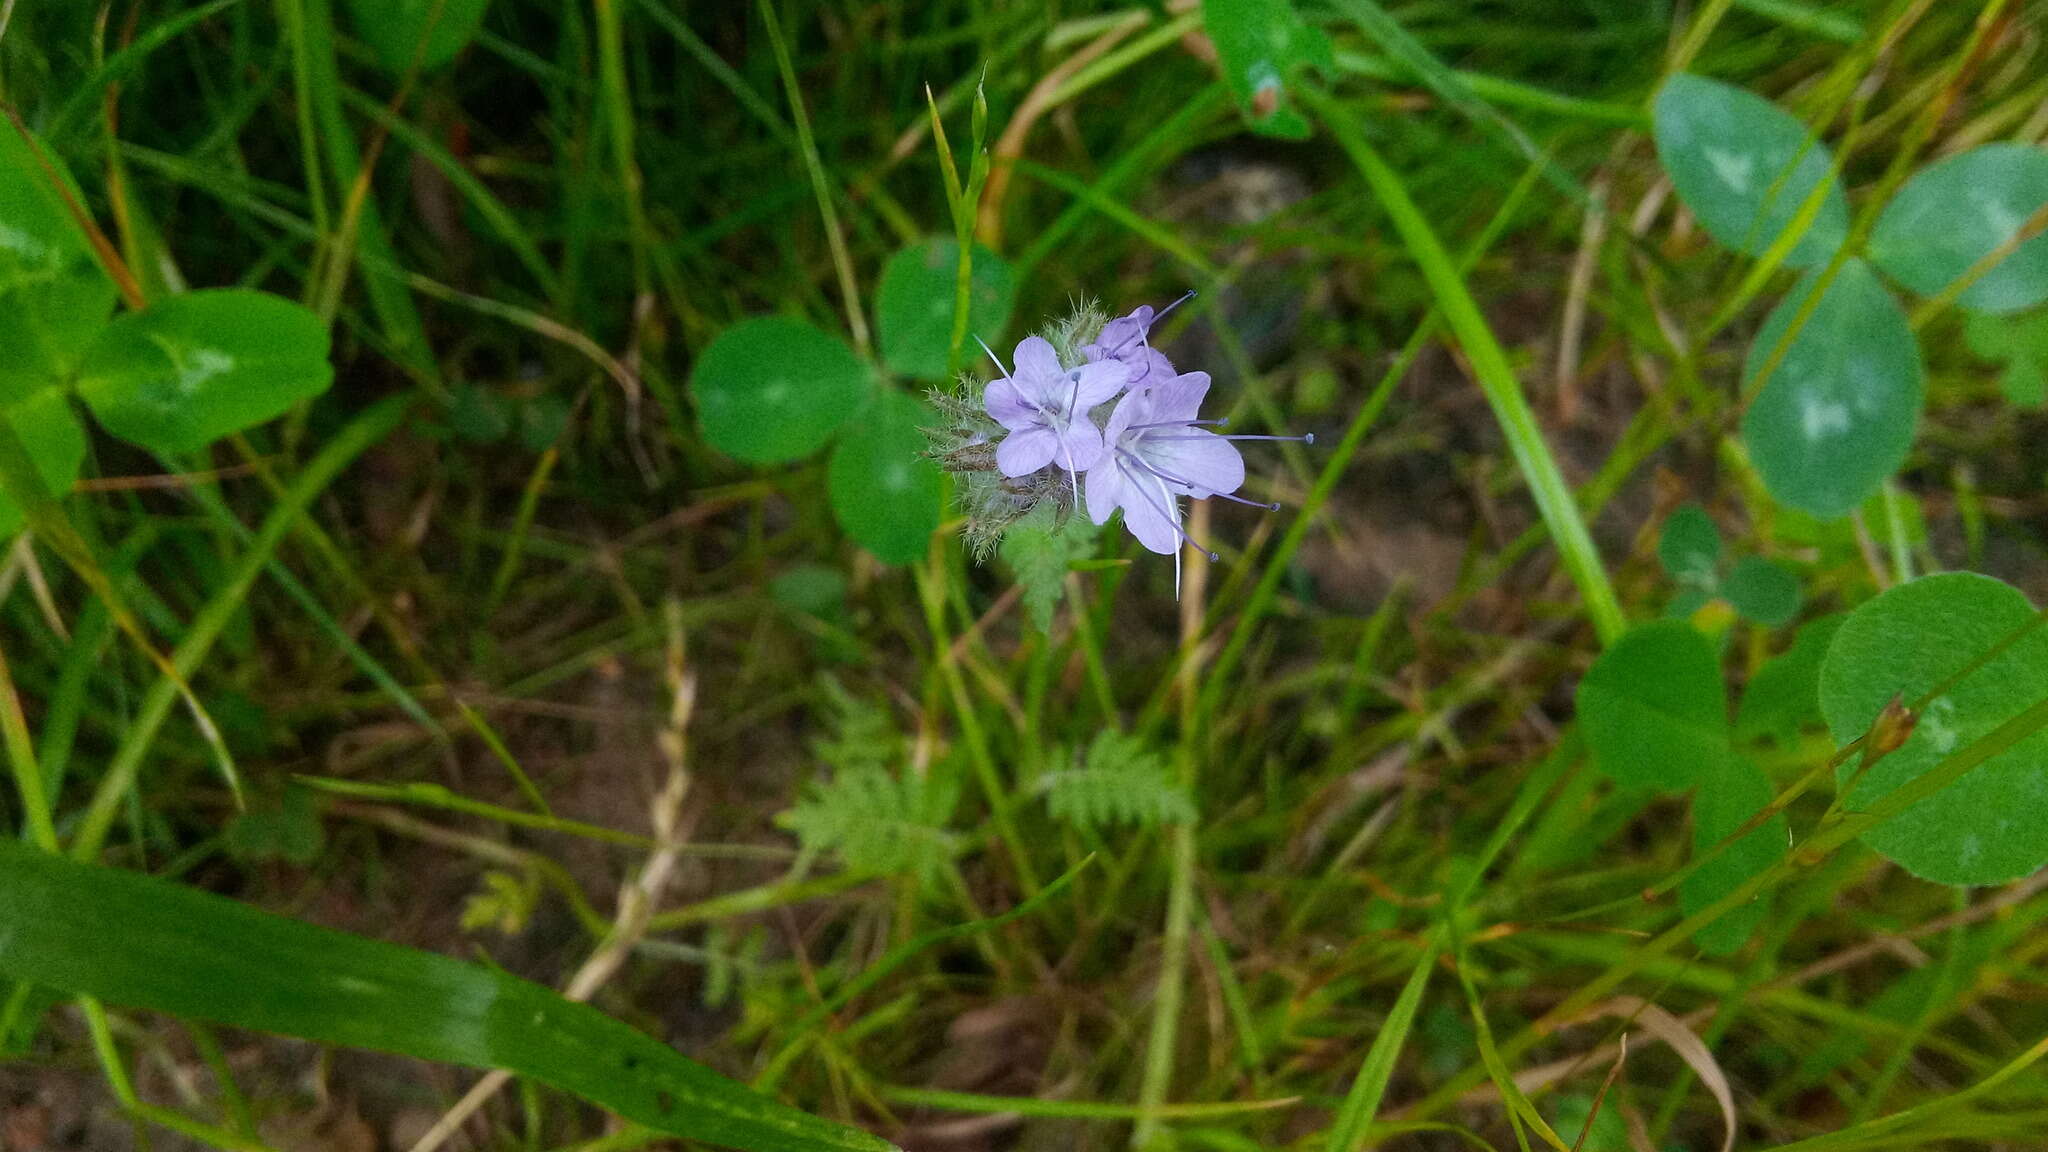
(864, 734)
(878, 822)
(1119, 782)
(872, 811)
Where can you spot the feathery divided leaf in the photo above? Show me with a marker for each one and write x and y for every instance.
(873, 812)
(1121, 781)
(1040, 548)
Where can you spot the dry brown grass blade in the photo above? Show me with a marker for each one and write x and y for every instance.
(1600, 1097)
(989, 228)
(1689, 1047)
(1572, 331)
(637, 899)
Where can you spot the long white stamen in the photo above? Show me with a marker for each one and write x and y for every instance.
(1216, 423)
(992, 355)
(1171, 509)
(1305, 438)
(1163, 474)
(1162, 313)
(1144, 333)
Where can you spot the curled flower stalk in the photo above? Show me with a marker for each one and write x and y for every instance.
(1032, 434)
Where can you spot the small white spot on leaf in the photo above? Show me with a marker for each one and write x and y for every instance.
(1939, 724)
(2003, 220)
(1734, 168)
(23, 245)
(1821, 417)
(201, 365)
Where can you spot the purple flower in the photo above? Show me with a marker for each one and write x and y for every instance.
(1157, 452)
(1045, 408)
(1127, 340)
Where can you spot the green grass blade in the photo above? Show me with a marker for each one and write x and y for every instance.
(474, 191)
(164, 947)
(64, 708)
(974, 1102)
(1510, 93)
(1806, 18)
(876, 972)
(1362, 1103)
(1263, 594)
(91, 92)
(367, 664)
(427, 795)
(368, 428)
(1490, 366)
(371, 246)
(1452, 88)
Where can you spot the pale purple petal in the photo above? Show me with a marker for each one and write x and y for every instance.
(1006, 407)
(1134, 408)
(1147, 506)
(1038, 369)
(1204, 462)
(1080, 446)
(1122, 334)
(1179, 398)
(1099, 382)
(1105, 489)
(1148, 366)
(1126, 339)
(1026, 451)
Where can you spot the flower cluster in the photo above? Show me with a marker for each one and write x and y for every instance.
(1039, 434)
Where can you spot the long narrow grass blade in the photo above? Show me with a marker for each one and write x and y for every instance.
(368, 428)
(1452, 89)
(1362, 1103)
(1491, 368)
(150, 944)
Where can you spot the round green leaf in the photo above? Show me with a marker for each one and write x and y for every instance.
(1732, 791)
(884, 492)
(1745, 166)
(1990, 826)
(1689, 598)
(1690, 547)
(811, 590)
(1784, 695)
(1763, 590)
(55, 440)
(395, 29)
(1837, 415)
(193, 368)
(479, 415)
(2021, 343)
(773, 389)
(1652, 708)
(54, 296)
(914, 305)
(1956, 212)
(1263, 46)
